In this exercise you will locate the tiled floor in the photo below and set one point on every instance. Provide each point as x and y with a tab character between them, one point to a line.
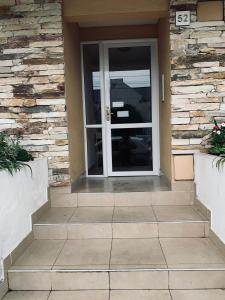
117	248
121	184
100	254
85	253
134	214
121	222
57	215
121	214
191	252
92	215
112	251
41	253
120	295
168	213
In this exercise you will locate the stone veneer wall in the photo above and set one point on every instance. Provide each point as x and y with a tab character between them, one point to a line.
32	97
197	78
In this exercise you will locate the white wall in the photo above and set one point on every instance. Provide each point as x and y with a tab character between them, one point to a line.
210	188
20	196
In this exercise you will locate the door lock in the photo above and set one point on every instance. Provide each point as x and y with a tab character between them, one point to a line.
107	113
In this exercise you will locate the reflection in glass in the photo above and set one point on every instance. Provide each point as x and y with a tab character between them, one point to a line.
92	84
132	149
130	84
94	151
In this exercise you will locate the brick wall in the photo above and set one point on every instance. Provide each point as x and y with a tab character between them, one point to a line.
197	78
32	97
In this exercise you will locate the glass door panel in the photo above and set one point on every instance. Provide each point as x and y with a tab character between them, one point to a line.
94	151
92	86
132	149
130	105
130	84
93	109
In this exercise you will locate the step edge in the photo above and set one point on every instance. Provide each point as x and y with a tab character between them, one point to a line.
114	270
132	222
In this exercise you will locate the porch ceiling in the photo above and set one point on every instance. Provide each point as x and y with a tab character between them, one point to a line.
129	12
128	22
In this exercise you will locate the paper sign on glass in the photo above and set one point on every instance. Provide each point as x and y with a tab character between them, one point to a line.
123	114
118	104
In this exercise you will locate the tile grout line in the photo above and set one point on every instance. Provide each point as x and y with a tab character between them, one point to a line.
168	272
74	211
68	221
110	256
49	293
157	224
170	294
59	254
109	278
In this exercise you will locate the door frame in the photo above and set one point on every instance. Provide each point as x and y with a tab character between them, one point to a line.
105	99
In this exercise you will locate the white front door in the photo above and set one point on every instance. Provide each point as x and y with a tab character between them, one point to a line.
120	84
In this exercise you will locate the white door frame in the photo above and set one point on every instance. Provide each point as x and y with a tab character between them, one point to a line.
105	101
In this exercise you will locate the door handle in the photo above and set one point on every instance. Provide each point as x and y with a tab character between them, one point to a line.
107	113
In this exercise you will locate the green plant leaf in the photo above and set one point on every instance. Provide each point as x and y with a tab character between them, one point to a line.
12	155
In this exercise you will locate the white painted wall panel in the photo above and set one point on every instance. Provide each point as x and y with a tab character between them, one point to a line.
210	188
20	196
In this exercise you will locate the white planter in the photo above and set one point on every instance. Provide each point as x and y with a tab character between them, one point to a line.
210	188
20	196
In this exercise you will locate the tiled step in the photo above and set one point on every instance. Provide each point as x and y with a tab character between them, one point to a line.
121	222
119	264
63	199
120	295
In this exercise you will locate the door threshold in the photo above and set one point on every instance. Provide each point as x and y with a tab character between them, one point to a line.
121	184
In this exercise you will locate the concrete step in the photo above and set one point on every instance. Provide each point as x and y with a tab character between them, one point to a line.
62	199
119	264
121	222
72	280
216	294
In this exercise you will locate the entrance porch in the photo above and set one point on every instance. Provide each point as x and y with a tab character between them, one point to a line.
118	129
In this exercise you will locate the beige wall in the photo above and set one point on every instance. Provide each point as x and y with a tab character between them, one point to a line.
89	10
118	32
165	107
74	100
183	167
210	11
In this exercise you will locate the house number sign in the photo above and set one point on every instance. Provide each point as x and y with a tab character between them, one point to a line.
183	18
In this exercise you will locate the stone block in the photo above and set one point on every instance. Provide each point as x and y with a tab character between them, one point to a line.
206	64
192	89
185	127
180	120
44	44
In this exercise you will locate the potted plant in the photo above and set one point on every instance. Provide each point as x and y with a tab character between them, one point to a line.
13	157
217	139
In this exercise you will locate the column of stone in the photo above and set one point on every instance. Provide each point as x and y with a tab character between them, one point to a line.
197	78
32	97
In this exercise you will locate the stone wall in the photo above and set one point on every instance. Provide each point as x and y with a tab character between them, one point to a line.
32	98
197	78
